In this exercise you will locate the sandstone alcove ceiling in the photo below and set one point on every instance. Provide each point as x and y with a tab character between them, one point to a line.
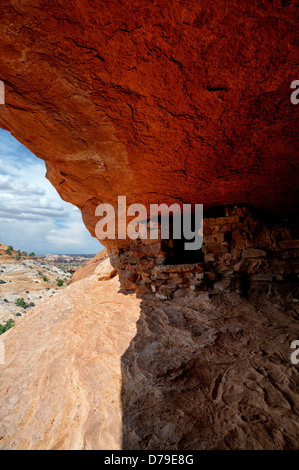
188	102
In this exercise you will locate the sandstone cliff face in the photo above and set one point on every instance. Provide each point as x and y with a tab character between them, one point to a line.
89	268
179	102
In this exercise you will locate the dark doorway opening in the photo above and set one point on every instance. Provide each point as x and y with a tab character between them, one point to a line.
178	253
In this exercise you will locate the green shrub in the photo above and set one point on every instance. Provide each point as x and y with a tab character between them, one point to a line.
45	279
9	324
60	282
21	303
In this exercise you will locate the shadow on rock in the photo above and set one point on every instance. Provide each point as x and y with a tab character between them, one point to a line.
211	373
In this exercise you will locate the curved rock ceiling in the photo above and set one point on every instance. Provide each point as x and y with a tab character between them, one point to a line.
185	101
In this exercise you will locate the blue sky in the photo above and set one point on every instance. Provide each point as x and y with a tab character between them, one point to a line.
32	215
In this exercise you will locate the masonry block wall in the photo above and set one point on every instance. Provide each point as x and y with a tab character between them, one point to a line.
242	253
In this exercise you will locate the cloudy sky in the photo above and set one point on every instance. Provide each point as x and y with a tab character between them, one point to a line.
32	215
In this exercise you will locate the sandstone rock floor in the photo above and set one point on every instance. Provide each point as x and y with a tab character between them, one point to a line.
93	368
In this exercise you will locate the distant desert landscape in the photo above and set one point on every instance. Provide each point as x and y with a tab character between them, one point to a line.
32	279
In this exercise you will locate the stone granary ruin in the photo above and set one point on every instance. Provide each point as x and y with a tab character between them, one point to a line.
182	102
241	253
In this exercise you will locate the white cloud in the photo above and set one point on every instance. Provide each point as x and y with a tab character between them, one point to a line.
10	185
32	215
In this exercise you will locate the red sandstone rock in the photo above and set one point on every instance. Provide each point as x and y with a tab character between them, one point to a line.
187	102
90	267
